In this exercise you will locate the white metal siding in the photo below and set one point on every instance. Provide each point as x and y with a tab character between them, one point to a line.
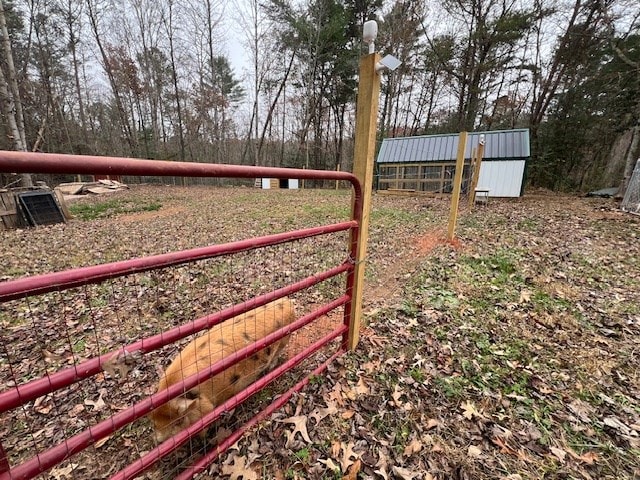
292	183
502	178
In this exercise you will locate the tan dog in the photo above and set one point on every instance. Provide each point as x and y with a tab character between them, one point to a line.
221	341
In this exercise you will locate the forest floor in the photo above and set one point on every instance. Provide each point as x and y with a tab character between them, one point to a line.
511	353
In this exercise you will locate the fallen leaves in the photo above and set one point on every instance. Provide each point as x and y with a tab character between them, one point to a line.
98	404
559	453
470	412
239	469
414	446
320	413
43	404
121	362
474	362
405	473
300	426
474	451
353	470
64	472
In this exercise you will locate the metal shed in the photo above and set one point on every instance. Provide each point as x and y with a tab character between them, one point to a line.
275	183
427	163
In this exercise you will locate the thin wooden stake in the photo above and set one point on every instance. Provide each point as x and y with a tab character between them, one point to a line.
457	185
471	195
476	174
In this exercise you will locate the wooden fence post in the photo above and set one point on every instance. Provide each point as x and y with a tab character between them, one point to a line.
457	185
476	173
472	166
363	159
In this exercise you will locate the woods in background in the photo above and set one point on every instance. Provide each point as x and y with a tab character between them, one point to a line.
155	79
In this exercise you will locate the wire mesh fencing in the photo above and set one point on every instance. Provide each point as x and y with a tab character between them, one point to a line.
153	366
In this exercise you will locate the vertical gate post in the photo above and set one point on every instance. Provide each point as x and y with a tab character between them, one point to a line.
457	185
363	158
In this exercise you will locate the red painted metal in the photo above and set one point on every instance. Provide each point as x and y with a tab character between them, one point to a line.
36	388
70	446
76	277
23	162
4	462
34	162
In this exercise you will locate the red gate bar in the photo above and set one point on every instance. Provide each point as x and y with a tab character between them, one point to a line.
26	162
76	277
21	394
70	446
4	461
35	162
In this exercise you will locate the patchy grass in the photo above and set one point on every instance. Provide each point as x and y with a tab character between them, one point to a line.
511	357
510	354
111	208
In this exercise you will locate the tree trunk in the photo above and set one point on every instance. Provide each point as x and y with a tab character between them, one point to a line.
631	156
124	119
71	19
12	77
10	97
267	122
174	76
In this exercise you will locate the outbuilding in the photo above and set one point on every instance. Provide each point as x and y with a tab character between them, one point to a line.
427	163
276	183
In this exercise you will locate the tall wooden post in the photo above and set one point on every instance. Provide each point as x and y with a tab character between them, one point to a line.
457	185
363	158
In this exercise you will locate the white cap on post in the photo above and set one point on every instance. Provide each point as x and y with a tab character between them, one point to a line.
369	34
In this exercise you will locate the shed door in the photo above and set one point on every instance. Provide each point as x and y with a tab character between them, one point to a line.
502	178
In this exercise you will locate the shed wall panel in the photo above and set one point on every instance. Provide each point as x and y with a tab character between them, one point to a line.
502	178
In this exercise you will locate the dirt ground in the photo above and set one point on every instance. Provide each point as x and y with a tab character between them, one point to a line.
510	352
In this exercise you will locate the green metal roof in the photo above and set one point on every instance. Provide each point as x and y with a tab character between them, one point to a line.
499	145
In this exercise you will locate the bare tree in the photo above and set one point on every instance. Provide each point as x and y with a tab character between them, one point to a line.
168	19
72	12
253	25
11	101
578	33
630	138
92	12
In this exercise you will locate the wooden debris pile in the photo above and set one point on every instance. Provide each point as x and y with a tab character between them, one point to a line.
96	188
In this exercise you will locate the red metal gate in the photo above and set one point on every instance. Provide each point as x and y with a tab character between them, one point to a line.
25	393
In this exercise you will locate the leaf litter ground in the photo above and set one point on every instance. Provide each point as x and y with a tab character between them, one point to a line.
511	353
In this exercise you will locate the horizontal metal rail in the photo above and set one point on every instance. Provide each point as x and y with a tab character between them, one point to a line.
49	282
34	162
29	162
21	394
70	446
